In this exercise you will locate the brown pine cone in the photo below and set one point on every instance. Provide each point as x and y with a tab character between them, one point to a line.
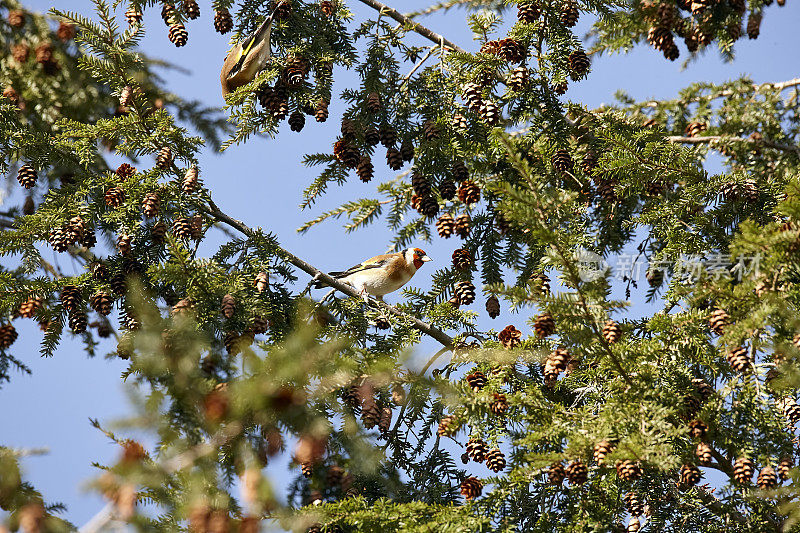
633	502
495	460
394	159
20	52
182	228
27	176
555	364
463	224
499	405
16	18
297	120
690	475
578	64
445	225
544	326
754	25
346	153
510	337
556	473
228	306
528	12
465	291
430	130
71	297
766	478
448	426
569	13
490	113
611	332
476	380
151	204
78	322
30	307
693	129
718	320
577	472
697	428
327	8
628	470
703	453
223	22
561	160
8	334
164	158
66	31
388	135
785	467
321	110
743	470
178	34
601	450
476	449
493	306
191	9
460	171
133	16
469	192
101	302
739	359
471	488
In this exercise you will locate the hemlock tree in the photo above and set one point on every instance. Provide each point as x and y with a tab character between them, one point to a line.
596	421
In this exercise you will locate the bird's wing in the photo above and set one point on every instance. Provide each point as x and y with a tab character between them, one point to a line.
375	262
263	32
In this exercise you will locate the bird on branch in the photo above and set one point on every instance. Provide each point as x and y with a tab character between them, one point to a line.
381	274
246	59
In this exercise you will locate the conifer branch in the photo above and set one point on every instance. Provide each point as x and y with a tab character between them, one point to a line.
722	138
780	86
414	26
313	271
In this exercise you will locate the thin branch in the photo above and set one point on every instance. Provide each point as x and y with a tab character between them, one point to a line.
308	268
720	138
780	86
716	506
416	27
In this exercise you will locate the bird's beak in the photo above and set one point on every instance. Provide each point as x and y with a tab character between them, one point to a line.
425	258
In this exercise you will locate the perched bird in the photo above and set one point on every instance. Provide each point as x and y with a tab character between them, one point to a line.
246	58
382	274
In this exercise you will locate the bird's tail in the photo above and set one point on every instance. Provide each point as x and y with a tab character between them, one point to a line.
319	284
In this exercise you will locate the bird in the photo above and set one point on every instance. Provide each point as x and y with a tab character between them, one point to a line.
246	58
381	274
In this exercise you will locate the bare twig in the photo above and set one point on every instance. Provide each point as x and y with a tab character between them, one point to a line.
721	138
416	27
780	86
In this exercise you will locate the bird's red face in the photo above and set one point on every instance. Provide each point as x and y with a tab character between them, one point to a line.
420	257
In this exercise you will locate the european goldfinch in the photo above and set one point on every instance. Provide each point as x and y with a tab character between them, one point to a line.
246	58
382	274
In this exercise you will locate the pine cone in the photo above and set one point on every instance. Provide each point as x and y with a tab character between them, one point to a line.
71	298
30	307
697	428
718	320
365	170
394	159
473	96
477	449
766	478
447	426
167	13
698	6
327	8
321	111
430	130
447	190
785	467
191	9
388	135
101	302
150	204
611	332
495	460
282	9
78	322
739	359
562	161
489	113
190	181
493	306
465	291
528	12
469	192
406	150
790	409
690	475
445	226
223	22
133	16
228	306
462	260
555	364
499	405
8	334
703	453
370	413
633	525
463	223
578	64
703	389
518	79
693	129
628	470
556	474
569	13
577	473
296	121
27	176
459	121
164	158
743	470
544	326
118	283
476	380
420	184
633	502
16	18
20	52
346	153
371	136
178	34
158	232
471	488
182	228
429	207
601	450
510	337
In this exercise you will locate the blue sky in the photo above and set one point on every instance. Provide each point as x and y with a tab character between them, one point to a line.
261	183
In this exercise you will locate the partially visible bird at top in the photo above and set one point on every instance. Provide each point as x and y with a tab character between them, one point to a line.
381	274
246	58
